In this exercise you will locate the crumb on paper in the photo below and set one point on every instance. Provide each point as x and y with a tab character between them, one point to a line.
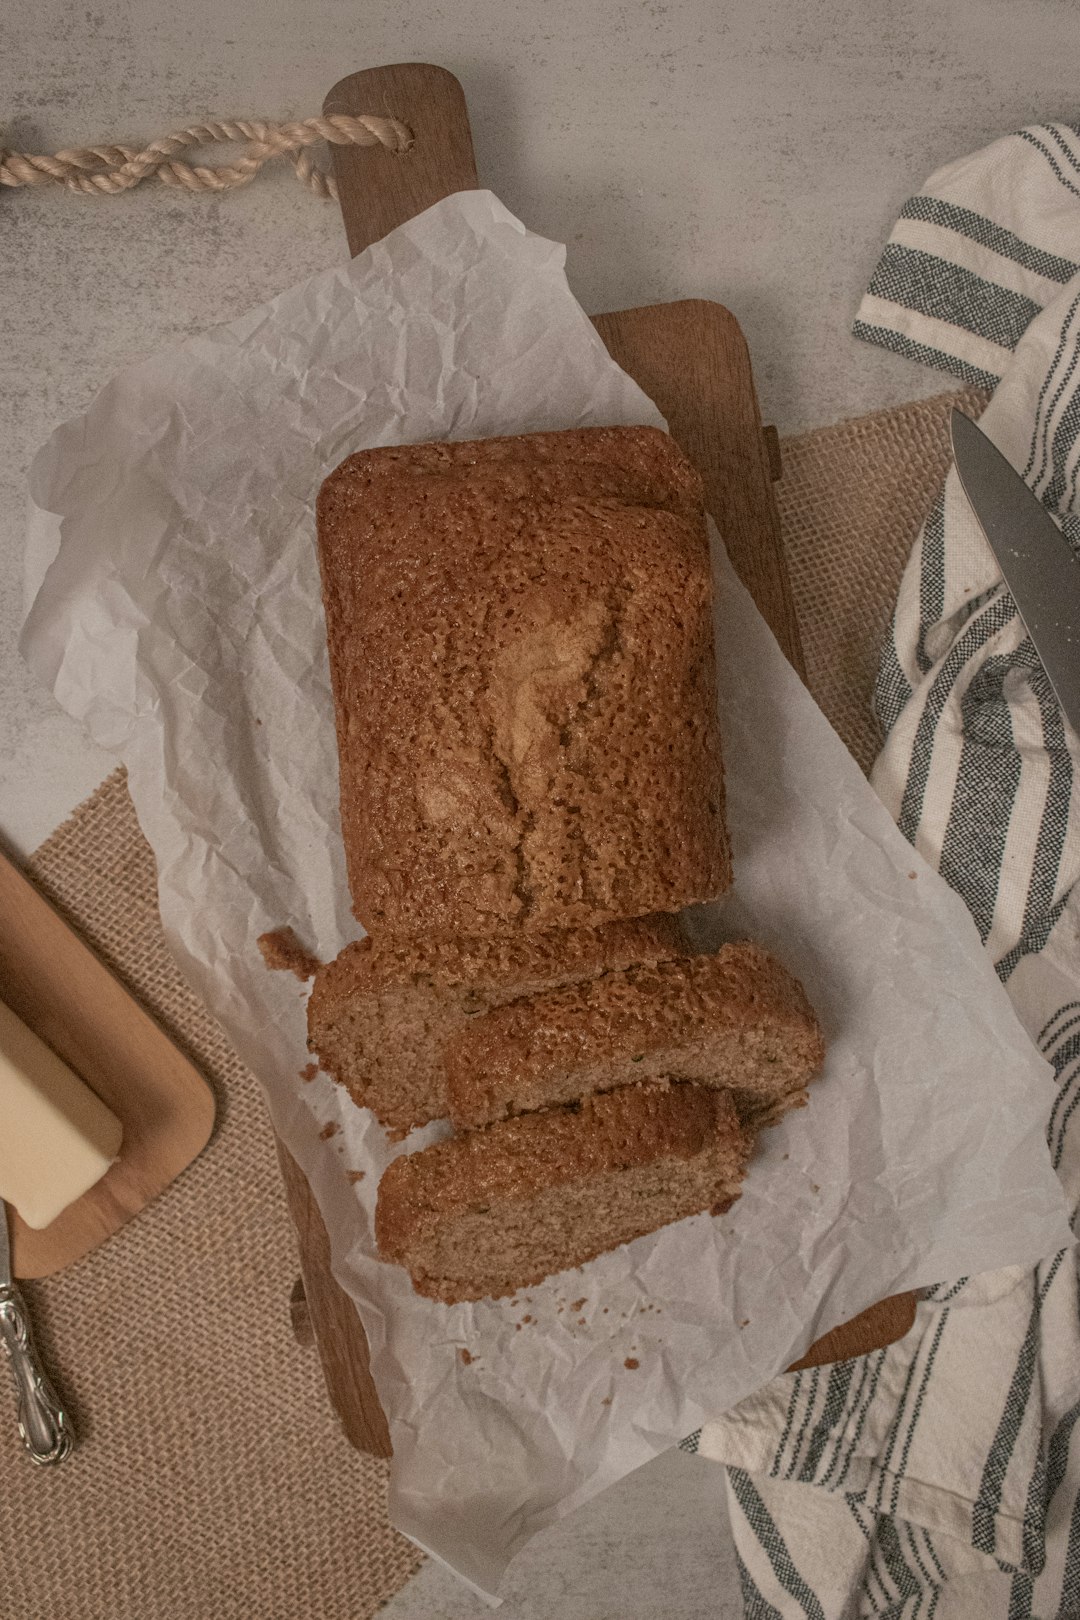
578	1303
330	1129
309	1071
517	1327
606	1401
467	1356
745	1322
814	1188
526	1317
913	874
282	951
356	1175
787	1155
605	1310
631	1363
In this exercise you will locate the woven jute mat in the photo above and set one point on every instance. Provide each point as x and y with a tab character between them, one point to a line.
852	500
211	1478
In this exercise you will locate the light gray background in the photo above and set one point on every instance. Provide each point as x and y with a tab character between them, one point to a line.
756	153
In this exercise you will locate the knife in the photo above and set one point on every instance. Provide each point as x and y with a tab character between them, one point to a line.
1036	560
43	1423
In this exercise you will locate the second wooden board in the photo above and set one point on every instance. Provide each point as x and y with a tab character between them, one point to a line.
66	994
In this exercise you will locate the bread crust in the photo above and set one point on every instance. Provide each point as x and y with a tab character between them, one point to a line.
735	1019
379	1015
521	654
504	1167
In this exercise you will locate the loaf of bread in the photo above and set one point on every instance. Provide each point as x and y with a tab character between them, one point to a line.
521	654
736	1020
380	1015
501	1208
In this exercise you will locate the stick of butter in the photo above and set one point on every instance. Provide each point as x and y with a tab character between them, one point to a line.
56	1137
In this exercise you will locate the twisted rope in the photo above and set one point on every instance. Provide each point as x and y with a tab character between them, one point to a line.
105	170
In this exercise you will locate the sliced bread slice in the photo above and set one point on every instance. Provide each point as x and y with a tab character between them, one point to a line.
736	1020
501	1208
380	1014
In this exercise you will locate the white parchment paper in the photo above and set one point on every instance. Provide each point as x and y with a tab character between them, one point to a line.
181	621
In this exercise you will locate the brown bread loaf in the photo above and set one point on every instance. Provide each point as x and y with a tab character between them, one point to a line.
736	1019
501	1208
521	653
380	1015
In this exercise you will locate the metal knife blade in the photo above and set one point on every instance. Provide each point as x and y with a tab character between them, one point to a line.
1036	560
44	1425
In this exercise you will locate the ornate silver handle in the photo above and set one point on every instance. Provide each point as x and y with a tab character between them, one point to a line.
43	1423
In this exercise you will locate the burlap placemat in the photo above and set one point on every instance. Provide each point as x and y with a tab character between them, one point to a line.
211	1478
852	499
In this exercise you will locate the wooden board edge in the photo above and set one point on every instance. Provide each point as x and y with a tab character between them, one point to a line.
873	1329
739	491
335	1322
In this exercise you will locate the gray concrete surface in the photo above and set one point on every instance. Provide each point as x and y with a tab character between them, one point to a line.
654	1547
753	152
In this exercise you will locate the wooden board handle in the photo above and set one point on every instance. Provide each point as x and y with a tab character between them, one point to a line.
691	359
380	190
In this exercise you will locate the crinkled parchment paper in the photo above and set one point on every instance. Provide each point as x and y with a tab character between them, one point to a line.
181	621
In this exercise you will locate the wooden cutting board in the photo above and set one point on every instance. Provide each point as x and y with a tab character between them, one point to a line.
692	361
68	997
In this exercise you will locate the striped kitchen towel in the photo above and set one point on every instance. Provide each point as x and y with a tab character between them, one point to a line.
941	1477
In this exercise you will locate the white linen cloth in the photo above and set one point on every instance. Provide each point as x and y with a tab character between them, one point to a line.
941	1476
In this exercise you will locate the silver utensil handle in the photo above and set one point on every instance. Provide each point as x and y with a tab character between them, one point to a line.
43	1423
